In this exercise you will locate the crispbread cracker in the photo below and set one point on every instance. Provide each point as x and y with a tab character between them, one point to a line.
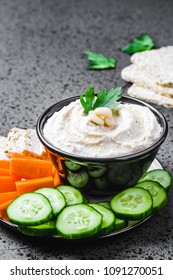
33	146
149	96
135	75
157	63
25	141
15	141
3	142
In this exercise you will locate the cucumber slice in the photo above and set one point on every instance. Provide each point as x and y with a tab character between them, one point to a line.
78	179
120	176
48	228
72	195
134	222
105	204
30	209
119	223
78	221
102	183
132	204
108	218
85	199
97	172
72	165
55	197
159	175
157	192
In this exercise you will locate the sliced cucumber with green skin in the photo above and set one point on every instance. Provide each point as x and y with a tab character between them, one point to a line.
71	194
78	179
97	172
105	204
102	183
159	175
72	165
132	223
157	192
45	229
120	176
85	199
119	223
108	218
132	204
55	197
78	221
30	209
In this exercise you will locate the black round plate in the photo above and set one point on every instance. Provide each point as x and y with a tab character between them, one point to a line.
131	224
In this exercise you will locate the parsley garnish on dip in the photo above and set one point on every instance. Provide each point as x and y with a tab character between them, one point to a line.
96	125
99	107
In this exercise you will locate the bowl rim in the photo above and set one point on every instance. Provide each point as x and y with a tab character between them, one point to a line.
41	120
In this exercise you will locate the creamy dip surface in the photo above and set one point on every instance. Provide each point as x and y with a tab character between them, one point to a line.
70	130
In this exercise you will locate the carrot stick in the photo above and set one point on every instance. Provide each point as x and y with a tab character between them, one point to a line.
43	156
30	168
18	155
53	170
4	163
4	172
56	179
3	207
34	184
7	196
7	184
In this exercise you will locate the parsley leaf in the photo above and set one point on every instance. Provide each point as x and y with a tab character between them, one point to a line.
98	61
142	43
90	101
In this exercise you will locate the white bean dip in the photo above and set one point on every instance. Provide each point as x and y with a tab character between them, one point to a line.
134	128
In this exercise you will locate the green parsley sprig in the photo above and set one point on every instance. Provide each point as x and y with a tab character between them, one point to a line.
90	101
98	61
142	43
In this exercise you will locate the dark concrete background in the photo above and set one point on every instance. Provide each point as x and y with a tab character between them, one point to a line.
41	62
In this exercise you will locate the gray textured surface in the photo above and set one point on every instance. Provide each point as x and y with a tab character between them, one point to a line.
41	62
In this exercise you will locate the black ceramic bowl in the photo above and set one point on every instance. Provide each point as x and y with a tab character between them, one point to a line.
101	176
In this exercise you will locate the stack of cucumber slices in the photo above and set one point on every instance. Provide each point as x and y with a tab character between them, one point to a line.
66	212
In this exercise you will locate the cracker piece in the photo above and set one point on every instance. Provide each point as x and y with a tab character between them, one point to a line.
135	75
158	63
15	141
33	146
149	96
25	141
3	142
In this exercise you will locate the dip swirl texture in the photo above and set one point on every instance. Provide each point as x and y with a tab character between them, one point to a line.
70	130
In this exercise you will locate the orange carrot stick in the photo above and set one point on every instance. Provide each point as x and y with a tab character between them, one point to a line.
4	172
34	184
4	163
56	179
18	155
7	184
3	208
53	170
7	196
30	168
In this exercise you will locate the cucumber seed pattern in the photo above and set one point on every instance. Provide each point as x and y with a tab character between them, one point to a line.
131	201
69	196
79	218
153	191
30	209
